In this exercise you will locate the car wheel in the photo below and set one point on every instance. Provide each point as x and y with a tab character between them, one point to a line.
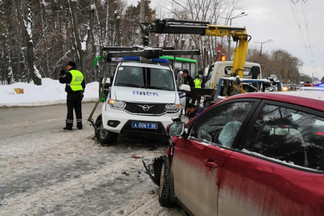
166	195
207	103
104	136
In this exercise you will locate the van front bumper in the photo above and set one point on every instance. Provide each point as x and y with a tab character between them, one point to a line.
120	121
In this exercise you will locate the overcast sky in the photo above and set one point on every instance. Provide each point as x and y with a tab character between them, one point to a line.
292	25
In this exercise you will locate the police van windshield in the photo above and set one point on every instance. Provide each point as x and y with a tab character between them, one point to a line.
153	78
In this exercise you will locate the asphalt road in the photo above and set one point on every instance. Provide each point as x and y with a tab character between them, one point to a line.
45	170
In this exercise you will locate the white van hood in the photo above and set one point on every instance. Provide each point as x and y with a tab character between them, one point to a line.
143	95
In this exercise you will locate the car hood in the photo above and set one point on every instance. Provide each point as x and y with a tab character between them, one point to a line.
143	95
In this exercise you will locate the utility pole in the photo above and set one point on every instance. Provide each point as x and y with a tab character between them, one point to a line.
229	37
269	40
142	20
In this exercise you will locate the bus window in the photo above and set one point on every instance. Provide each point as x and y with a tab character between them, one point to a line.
186	65
178	65
193	69
183	63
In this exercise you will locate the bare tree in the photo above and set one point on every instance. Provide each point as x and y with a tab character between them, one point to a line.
80	49
26	23
41	35
278	62
202	10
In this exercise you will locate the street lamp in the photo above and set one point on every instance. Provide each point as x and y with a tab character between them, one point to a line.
237	16
229	37
269	40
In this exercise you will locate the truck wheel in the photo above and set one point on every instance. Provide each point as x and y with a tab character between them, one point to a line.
104	136
166	195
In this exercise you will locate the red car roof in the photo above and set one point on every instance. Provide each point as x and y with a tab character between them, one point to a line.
313	100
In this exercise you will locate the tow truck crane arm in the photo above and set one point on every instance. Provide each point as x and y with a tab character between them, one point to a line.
146	52
172	26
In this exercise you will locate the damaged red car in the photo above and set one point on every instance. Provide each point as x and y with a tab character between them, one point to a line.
250	154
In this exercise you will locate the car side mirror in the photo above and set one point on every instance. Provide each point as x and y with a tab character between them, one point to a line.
109	81
176	129
105	88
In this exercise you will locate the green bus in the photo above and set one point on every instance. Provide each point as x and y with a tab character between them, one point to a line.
183	63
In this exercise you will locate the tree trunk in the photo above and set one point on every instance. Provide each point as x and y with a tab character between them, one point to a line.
80	51
32	71
90	39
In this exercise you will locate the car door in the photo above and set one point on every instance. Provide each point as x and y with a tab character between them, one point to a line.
280	168
198	160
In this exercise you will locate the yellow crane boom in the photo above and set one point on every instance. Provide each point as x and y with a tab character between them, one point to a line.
239	34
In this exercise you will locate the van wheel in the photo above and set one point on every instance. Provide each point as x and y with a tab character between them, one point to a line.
104	136
166	195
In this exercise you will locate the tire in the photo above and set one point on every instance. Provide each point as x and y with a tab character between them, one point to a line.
207	103
157	169
104	136
166	194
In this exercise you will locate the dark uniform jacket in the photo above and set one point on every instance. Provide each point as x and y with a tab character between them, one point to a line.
189	81
67	79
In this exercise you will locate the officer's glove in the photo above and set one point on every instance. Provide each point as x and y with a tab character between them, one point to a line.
82	95
62	73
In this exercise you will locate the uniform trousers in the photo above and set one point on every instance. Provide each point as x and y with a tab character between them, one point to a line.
73	102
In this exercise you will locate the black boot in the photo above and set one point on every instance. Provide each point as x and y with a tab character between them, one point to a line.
68	126
79	126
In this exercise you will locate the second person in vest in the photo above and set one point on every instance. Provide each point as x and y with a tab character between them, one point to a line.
196	95
74	87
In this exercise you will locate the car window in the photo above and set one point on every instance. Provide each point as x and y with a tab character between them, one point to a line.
291	136
221	125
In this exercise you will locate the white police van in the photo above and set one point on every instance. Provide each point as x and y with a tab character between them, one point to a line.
142	100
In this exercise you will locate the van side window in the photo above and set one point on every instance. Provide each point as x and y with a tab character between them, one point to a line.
291	136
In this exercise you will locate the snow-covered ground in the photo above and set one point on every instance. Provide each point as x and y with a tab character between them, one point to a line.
50	92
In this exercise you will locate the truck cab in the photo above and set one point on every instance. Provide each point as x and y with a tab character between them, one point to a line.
224	69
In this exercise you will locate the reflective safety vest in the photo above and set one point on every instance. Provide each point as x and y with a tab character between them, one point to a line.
77	78
197	83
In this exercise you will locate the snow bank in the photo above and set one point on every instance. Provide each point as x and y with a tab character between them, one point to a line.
50	92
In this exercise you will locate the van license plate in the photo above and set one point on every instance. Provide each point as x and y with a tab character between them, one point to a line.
144	125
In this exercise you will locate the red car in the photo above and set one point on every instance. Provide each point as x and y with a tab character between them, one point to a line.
250	154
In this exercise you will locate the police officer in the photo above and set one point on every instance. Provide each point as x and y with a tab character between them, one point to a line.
188	79
74	87
197	95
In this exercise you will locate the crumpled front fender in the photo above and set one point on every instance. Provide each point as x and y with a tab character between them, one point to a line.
154	169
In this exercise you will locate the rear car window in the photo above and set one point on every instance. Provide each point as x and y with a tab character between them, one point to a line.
290	136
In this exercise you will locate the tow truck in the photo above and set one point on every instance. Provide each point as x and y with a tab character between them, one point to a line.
232	84
239	35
